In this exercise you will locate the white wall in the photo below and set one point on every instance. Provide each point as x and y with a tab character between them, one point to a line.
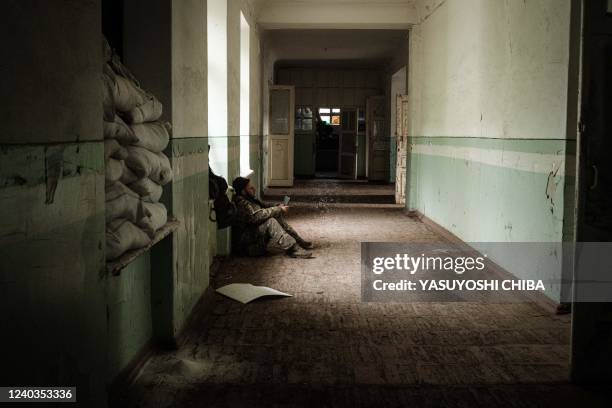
491	68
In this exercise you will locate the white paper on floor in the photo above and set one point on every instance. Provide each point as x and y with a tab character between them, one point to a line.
245	292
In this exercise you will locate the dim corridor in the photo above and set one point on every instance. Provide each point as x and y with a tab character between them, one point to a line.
324	347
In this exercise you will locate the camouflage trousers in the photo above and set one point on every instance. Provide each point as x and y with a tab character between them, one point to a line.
275	235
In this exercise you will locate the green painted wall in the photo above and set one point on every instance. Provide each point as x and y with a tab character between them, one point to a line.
129	315
52	281
493	190
190	241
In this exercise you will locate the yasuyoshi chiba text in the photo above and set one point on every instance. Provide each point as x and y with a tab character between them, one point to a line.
459	285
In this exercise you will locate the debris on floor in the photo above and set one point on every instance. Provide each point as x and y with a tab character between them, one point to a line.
245	292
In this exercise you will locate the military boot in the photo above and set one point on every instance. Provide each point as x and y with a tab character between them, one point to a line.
297	251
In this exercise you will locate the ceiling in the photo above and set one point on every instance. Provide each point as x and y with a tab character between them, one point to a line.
336	14
364	46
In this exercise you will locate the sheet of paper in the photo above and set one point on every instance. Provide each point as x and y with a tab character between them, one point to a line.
245	292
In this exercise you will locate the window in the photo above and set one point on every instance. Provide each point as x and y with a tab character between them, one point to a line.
245	106
330	116
217	86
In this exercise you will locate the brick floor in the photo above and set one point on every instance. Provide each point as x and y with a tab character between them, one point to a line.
325	348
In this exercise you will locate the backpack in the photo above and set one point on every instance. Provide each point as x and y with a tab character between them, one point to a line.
224	209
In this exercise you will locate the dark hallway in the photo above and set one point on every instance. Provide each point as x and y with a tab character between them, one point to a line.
328	203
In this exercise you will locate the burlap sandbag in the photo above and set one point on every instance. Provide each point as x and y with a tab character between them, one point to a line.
149	111
148	189
128	176
127	95
112	149
152	136
156	216
114	169
121	202
115	190
123	236
145	163
117	129
122	70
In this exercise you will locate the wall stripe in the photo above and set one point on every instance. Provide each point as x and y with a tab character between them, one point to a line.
518	160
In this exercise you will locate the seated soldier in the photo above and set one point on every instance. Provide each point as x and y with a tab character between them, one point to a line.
259	228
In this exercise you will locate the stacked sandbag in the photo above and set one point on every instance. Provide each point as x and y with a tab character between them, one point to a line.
136	166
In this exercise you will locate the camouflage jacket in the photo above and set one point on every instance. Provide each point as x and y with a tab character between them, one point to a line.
253	212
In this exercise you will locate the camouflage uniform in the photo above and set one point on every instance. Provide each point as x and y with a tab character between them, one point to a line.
260	228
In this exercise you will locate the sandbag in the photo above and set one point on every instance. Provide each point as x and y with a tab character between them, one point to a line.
125	237
120	69
147	188
128	176
145	163
149	111
156	216
152	136
114	169
116	189
112	149
121	202
127	95
117	129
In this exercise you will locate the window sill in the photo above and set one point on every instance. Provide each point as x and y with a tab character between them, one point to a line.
115	267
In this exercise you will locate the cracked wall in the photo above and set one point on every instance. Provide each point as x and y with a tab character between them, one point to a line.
52	281
488	83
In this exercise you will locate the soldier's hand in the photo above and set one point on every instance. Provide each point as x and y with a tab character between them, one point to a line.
284	208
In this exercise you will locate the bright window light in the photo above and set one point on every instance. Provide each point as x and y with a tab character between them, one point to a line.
217	85
245	106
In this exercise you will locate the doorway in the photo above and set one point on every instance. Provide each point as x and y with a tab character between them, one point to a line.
327	141
591	327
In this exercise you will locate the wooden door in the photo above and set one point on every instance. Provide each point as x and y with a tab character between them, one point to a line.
378	140
347	149
280	137
401	137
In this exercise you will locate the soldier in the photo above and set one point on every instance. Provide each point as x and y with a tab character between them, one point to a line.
259	228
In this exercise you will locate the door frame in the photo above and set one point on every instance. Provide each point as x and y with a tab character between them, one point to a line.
290	136
401	138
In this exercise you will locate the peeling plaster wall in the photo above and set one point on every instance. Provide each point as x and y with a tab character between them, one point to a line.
66	321
170	62
175	70
52	281
488	85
